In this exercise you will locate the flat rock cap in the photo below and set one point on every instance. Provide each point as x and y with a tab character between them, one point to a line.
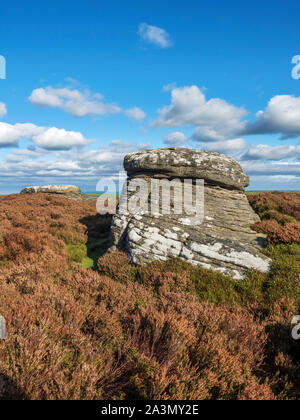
53	189
214	168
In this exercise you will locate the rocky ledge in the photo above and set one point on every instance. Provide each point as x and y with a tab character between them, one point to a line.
68	191
214	168
223	241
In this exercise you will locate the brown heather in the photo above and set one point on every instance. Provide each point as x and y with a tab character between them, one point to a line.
280	214
161	331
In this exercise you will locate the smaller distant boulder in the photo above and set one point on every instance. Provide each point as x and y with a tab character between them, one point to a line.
68	191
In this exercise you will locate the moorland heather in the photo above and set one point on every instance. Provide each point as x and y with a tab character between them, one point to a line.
166	330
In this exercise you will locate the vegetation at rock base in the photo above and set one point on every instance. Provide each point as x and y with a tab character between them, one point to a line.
280	214
162	331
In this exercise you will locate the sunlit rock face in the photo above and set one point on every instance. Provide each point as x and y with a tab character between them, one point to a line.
219	237
68	191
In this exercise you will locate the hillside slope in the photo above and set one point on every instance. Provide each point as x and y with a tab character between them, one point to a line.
162	331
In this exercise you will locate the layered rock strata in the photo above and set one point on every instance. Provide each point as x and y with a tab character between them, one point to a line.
219	238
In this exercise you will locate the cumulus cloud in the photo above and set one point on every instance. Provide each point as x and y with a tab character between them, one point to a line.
28	129
46	98
59	139
154	35
48	138
175	139
281	116
3	110
265	151
214	119
217	120
135	113
9	135
73	101
84	167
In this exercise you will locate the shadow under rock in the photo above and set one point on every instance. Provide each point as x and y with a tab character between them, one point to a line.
97	230
9	390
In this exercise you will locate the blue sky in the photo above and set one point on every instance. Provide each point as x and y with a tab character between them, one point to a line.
89	81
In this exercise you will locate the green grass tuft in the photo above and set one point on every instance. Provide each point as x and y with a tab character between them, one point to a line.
87	254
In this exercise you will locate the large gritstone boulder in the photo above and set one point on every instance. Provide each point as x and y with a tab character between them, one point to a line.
68	191
219	238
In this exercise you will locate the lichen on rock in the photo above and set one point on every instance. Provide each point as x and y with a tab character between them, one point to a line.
68	191
223	241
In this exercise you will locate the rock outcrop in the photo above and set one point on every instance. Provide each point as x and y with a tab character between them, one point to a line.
68	191
223	240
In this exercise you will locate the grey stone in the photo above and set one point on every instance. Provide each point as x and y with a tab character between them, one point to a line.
224	241
214	168
2	328
68	191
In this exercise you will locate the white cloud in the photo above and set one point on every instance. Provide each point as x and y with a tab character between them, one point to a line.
45	98
282	116
217	120
218	126
275	182
48	138
226	146
76	103
264	168
19	155
283	178
175	139
84	167
3	110
135	113
264	151
59	139
154	35
214	119
9	135
28	129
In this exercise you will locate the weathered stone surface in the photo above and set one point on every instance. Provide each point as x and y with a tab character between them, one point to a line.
68	191
223	242
214	168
